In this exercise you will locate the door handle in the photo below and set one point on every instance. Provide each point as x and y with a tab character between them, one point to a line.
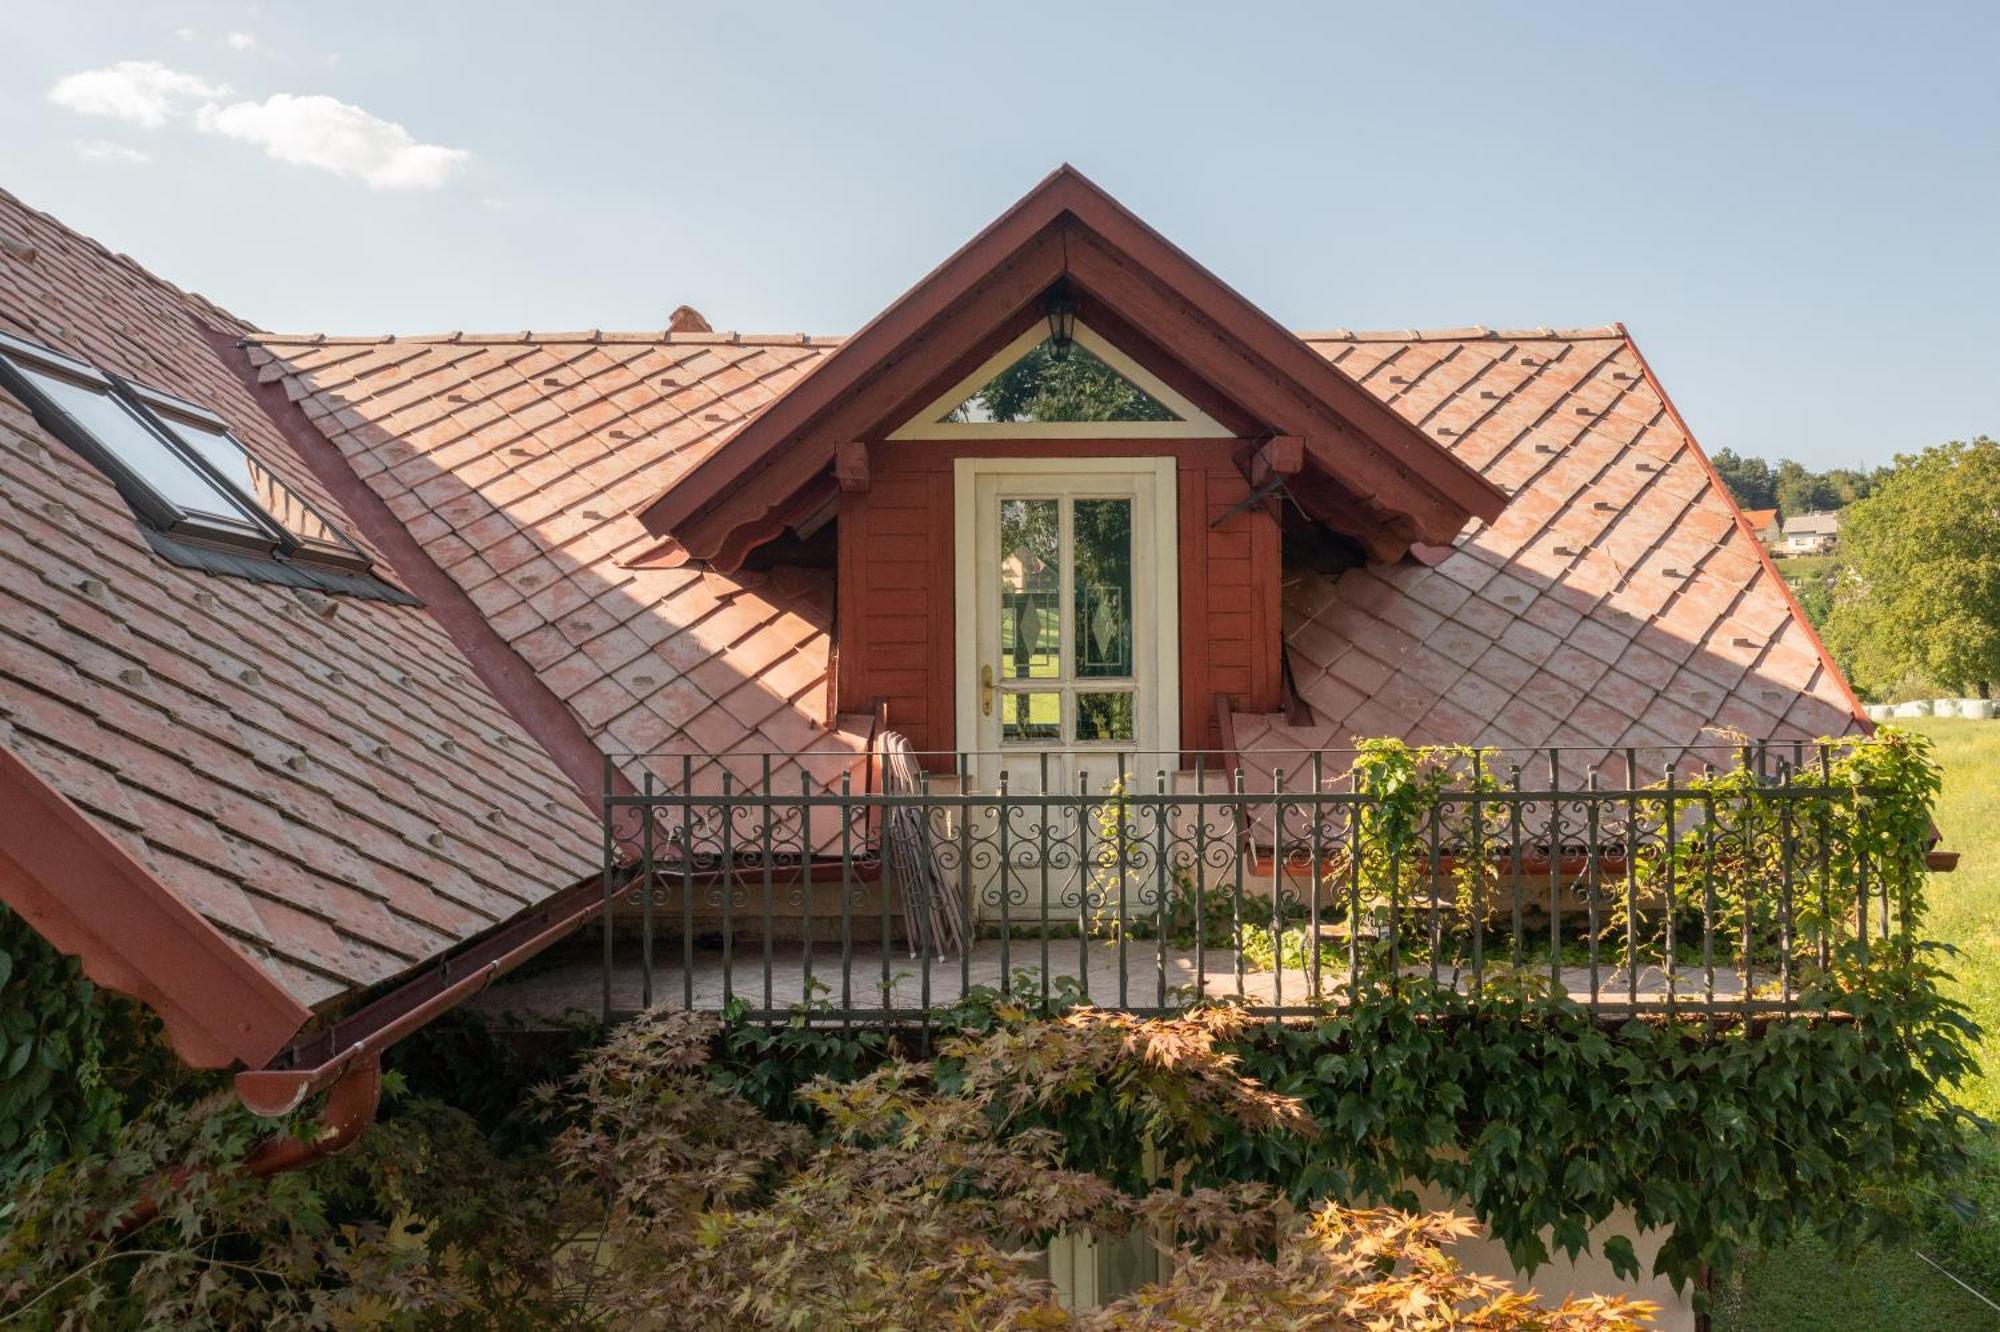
986	691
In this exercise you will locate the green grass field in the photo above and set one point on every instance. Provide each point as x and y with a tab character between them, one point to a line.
1803	1288
1807	566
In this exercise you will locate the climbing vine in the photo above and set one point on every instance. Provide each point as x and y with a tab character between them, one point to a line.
55	1097
1716	1134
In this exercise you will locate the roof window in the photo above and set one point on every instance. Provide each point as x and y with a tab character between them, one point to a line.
183	473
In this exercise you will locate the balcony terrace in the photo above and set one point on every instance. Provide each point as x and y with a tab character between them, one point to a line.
1717	884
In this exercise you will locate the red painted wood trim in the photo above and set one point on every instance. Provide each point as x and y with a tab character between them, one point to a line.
87	896
781	472
509	678
1266	611
869	367
1284	454
1225	726
850	606
1065	194
1335	441
850	467
1287	353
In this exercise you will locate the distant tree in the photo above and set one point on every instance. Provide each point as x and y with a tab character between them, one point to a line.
1750	480
1815	599
1849	485
1801	490
1792	486
1922	593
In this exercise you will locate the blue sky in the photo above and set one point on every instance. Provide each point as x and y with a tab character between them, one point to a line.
1796	208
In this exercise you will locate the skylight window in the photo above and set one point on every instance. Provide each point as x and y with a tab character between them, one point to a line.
205	436
175	463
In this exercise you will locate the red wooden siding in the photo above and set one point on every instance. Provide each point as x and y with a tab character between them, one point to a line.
893	618
1230	631
894	624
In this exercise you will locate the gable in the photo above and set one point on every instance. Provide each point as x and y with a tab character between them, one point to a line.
1375	477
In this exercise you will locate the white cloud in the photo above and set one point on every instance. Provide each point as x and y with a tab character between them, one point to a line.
323	132
306	130
139	92
241	41
104	150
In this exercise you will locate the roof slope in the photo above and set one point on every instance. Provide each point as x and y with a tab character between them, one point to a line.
514	459
1617	600
1620	600
324	780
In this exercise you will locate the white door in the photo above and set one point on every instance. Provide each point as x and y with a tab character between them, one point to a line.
1068	651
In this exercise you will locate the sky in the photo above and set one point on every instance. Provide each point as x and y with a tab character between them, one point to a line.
1795	208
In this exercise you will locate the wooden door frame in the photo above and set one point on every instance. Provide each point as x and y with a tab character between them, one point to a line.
1164	551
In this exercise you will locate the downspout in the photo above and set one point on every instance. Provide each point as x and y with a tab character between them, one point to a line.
350	1108
352	1078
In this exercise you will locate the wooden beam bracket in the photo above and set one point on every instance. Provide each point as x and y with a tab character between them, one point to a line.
850	468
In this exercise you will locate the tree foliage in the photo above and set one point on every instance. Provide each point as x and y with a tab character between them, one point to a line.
1749	480
1921	597
670	1201
73	1058
1790	486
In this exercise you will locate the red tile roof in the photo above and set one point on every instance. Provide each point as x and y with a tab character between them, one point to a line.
325	781
1621	599
515	458
1759	519
1617	601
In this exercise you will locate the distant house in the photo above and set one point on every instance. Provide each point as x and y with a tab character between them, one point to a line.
1765	526
1811	533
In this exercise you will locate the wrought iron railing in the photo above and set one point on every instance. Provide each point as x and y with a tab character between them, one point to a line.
907	885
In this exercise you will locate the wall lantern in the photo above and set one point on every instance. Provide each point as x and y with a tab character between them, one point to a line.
1059	304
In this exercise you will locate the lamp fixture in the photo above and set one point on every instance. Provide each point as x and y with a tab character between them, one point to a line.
1059	305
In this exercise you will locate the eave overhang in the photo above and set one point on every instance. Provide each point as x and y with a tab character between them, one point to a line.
87	895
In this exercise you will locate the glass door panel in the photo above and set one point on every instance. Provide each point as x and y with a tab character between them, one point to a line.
1065	620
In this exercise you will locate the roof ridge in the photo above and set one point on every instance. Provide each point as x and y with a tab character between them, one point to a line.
735	338
1465	333
593	336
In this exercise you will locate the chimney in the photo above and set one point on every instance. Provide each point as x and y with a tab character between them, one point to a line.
687	319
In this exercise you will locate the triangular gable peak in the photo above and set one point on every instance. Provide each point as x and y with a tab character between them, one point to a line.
1344	457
